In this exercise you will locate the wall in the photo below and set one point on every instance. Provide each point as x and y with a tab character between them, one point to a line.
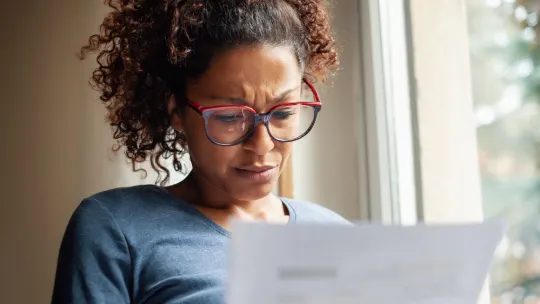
450	175
326	161
56	144
55	140
447	134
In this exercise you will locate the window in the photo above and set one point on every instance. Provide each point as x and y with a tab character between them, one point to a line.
452	103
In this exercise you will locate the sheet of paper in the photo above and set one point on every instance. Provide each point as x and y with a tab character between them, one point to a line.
368	264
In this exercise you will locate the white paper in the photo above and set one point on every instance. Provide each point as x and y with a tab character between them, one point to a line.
367	264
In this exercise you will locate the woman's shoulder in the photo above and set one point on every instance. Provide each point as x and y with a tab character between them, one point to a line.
133	204
129	193
121	200
306	211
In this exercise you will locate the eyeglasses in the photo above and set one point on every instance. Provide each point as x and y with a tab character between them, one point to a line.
230	125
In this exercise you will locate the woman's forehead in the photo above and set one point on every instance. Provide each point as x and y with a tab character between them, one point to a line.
244	69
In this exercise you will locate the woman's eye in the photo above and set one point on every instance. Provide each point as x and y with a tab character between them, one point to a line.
229	118
282	114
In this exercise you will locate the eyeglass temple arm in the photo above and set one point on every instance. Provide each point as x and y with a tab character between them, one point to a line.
312	87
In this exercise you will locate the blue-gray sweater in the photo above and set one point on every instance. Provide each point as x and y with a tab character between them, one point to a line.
143	245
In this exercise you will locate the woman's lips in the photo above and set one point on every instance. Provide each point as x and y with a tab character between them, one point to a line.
258	173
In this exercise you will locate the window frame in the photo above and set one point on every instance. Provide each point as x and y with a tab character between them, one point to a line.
421	108
387	152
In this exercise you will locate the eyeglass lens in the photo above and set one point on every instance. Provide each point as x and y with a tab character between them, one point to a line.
286	122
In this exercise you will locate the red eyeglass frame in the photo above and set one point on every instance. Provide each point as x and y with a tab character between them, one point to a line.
205	112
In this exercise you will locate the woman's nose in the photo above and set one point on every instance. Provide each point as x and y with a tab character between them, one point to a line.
260	141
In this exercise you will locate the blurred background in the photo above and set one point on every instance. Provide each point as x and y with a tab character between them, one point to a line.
505	66
434	116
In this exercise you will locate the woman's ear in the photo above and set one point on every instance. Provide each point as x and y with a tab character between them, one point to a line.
174	114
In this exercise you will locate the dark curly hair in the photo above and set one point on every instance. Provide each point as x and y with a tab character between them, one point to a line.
147	49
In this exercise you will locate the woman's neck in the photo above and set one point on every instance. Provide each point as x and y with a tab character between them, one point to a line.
220	206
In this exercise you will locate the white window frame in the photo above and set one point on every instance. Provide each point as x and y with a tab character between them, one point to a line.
387	154
406	132
414	90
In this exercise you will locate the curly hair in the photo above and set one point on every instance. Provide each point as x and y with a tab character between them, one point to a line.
147	49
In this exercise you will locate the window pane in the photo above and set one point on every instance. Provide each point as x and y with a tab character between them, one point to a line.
505	63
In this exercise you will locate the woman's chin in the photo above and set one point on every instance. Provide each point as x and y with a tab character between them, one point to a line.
254	193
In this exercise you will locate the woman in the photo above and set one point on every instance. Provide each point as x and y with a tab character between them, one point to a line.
226	80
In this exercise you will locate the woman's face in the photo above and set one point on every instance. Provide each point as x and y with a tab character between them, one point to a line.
257	77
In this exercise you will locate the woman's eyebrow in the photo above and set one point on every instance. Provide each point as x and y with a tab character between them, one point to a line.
284	94
233	100
241	101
